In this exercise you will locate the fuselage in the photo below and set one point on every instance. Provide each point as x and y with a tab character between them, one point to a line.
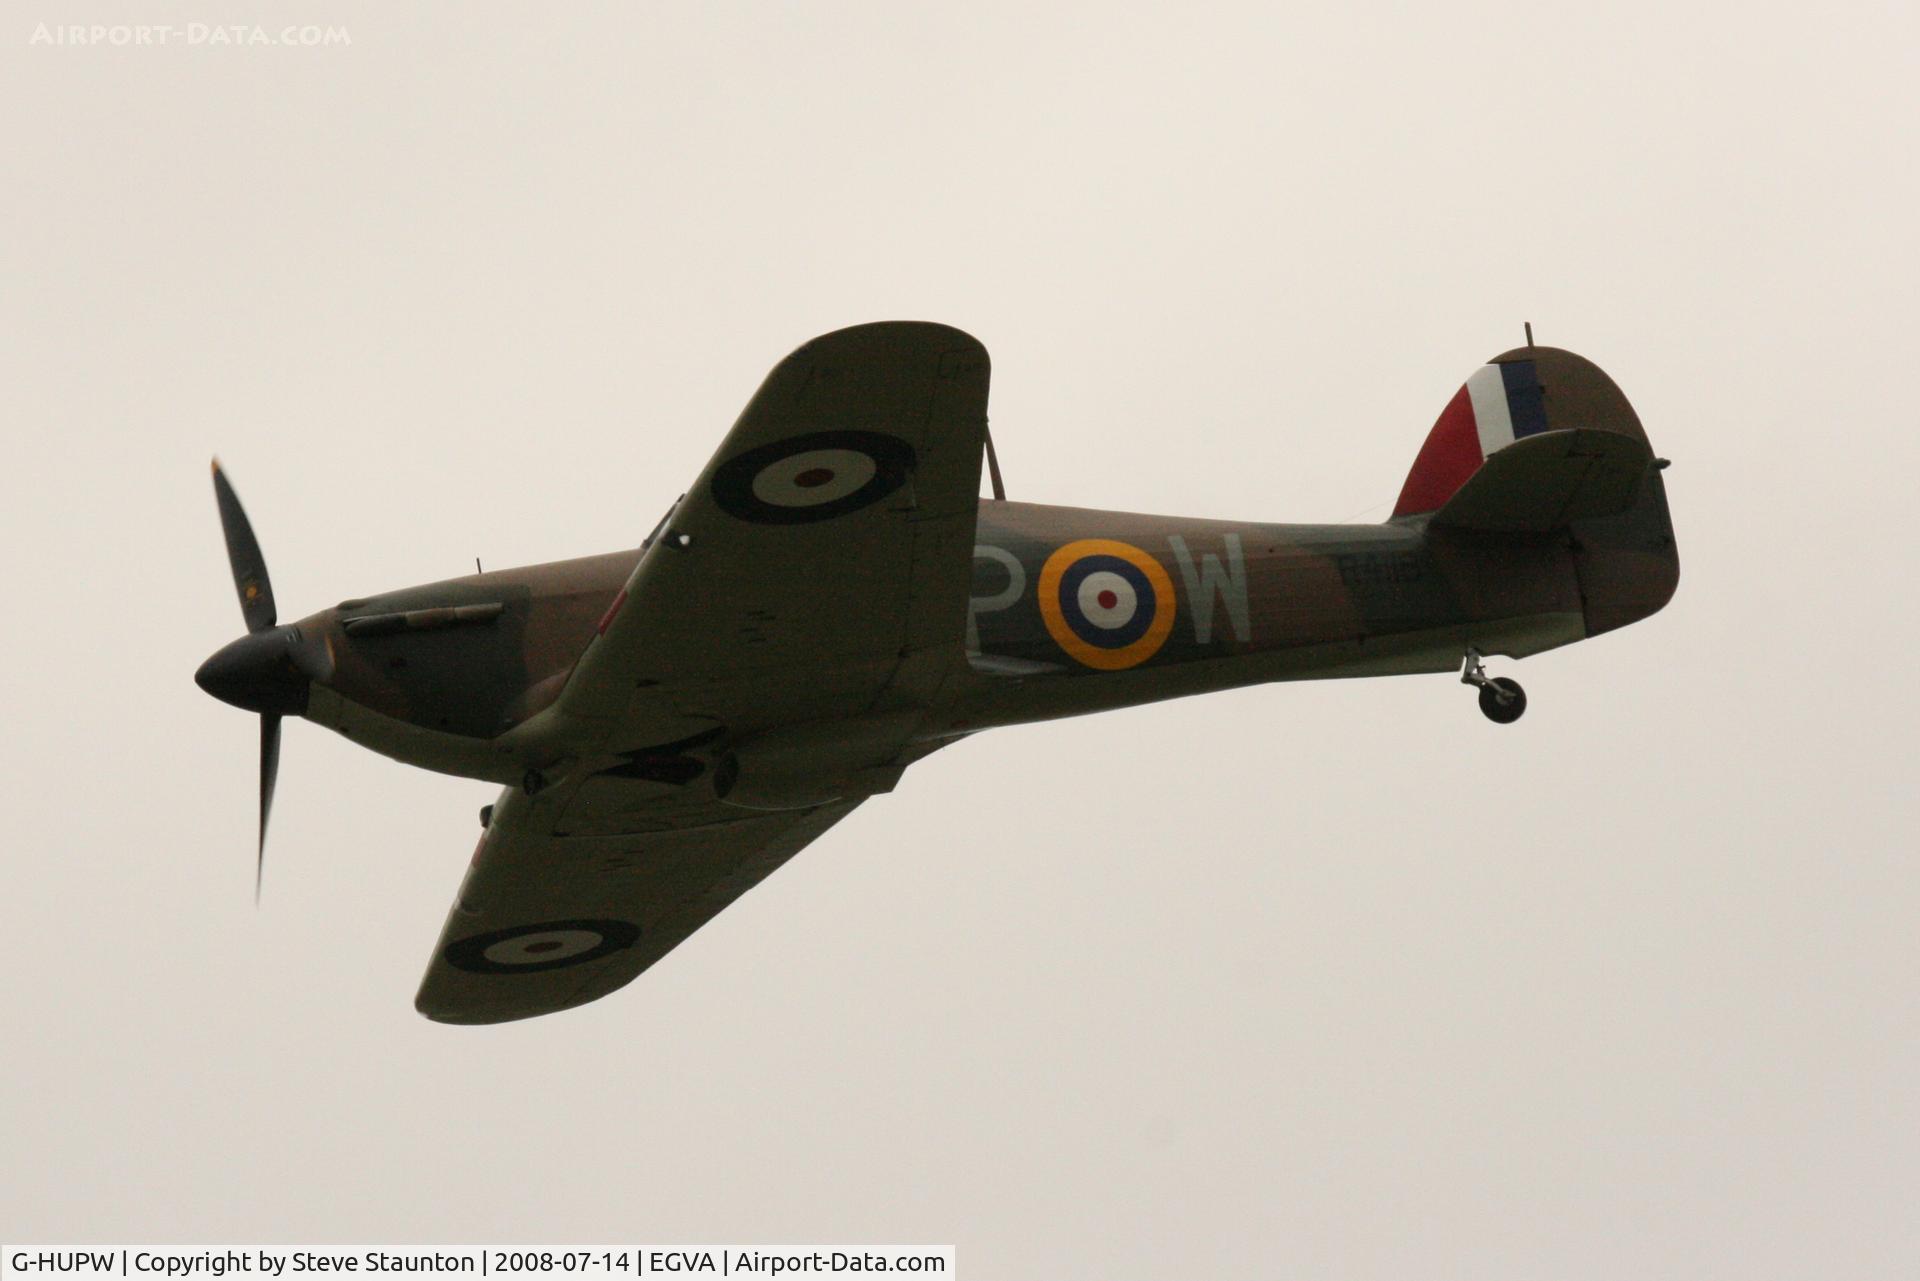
1070	611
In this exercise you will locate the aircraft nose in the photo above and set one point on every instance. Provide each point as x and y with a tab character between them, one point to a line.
260	672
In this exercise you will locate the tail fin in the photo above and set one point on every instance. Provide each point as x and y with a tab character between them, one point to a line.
1539	440
1513	400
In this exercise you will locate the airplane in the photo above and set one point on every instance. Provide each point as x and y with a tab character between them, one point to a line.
832	601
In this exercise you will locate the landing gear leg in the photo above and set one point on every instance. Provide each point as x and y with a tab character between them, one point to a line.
1501	699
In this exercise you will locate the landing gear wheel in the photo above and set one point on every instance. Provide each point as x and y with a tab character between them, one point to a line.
1502	700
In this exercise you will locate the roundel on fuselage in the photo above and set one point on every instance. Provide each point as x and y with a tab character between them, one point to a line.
1108	604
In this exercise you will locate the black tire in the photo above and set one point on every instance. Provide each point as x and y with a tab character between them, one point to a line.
1503	712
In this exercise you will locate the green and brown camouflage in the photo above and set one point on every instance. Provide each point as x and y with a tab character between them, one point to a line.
764	652
452	666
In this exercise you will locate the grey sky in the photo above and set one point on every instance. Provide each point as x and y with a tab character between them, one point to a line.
1315	980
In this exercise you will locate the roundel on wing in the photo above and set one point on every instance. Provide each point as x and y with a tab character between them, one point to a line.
1108	604
549	945
816	476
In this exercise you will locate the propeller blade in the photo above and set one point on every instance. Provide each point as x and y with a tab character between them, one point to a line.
243	555
269	770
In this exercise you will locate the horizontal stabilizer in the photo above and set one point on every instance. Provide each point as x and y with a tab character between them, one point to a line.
1546	481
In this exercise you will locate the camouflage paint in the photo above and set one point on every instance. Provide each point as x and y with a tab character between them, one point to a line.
1231	603
674	722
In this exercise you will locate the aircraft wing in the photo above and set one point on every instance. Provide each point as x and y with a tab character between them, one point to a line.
822	557
816	572
560	907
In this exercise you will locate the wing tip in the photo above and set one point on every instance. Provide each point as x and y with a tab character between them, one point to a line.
460	1016
442	998
471	1016
928	334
